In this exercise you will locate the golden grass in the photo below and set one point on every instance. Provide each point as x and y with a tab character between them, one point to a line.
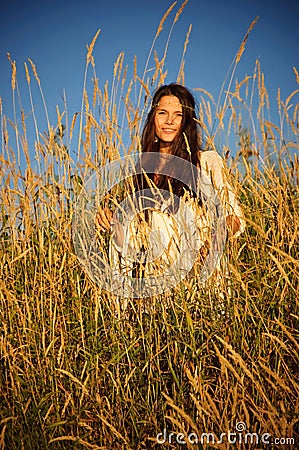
74	375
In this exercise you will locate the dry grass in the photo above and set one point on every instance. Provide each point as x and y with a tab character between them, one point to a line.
75	376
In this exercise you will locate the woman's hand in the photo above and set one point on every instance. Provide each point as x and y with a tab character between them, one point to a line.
233	224
104	219
106	222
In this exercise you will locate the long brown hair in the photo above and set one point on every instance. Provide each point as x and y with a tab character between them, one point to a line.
186	145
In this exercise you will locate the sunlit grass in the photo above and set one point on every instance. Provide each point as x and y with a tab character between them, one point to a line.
76	375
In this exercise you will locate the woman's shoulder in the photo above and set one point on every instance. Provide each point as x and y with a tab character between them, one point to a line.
210	159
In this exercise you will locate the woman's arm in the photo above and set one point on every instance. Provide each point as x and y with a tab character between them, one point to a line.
213	166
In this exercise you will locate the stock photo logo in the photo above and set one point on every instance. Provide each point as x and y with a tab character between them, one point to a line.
240	435
154	236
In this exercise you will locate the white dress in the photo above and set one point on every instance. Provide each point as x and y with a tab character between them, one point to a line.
160	250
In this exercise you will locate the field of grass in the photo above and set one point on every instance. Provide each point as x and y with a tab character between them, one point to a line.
205	360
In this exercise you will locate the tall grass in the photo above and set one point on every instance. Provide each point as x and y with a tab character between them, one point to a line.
74	374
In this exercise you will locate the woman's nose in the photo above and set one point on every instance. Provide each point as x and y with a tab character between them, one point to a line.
169	119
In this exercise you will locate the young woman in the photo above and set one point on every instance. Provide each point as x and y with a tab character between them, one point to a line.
172	163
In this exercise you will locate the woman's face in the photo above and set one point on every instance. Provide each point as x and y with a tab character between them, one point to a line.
168	120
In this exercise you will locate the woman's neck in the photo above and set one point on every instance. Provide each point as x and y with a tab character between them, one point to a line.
165	147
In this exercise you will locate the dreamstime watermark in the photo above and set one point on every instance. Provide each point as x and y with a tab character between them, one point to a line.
97	261
238	436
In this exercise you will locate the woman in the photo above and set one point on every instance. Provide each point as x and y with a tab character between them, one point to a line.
172	163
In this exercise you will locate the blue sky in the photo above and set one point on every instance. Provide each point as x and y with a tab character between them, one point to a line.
54	35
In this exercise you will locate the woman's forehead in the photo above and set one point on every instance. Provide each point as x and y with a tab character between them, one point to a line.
169	101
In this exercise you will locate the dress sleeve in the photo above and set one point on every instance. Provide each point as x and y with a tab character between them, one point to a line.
213	166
